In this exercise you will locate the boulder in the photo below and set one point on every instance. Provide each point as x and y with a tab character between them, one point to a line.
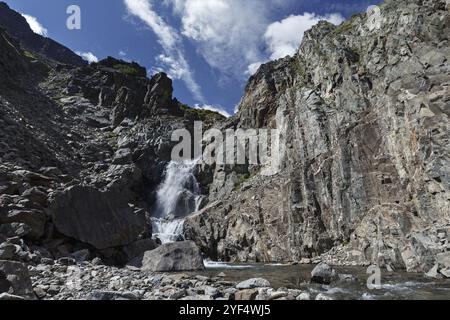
177	256
15	280
254	283
101	219
247	294
304	296
323	274
7	251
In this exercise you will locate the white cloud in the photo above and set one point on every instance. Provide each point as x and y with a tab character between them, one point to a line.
227	33
171	42
217	109
252	68
284	37
231	34
88	56
35	25
122	53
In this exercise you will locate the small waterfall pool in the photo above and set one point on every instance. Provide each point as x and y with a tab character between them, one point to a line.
177	196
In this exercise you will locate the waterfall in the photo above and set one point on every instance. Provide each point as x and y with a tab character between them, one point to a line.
177	196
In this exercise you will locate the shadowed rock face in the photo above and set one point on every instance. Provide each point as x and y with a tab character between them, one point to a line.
103	220
364	115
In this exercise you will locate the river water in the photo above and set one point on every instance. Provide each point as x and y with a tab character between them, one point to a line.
394	285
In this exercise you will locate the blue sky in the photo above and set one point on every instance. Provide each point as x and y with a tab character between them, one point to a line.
208	47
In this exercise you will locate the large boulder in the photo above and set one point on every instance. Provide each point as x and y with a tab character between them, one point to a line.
15	280
323	274
101	219
177	256
253	283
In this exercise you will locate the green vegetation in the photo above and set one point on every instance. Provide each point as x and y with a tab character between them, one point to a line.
112	139
29	55
126	69
202	114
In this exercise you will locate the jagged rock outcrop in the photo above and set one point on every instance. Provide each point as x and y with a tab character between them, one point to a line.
363	109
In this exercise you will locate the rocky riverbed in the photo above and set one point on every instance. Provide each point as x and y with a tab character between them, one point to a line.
61	280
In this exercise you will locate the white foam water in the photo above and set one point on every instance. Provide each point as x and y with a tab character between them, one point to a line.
178	196
222	265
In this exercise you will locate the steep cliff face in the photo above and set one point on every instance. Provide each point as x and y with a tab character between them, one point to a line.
363	109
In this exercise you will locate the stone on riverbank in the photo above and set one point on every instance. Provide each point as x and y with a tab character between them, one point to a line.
177	256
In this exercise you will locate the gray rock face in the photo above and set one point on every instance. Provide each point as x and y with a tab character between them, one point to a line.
363	110
103	220
177	256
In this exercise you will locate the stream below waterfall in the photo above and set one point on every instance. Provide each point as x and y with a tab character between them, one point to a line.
177	196
394	285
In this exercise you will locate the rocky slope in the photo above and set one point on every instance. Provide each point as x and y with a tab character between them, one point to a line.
15	24
363	109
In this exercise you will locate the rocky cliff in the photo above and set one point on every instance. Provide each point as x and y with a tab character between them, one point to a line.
364	113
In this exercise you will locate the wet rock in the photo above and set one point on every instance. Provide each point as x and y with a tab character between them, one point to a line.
177	256
323	274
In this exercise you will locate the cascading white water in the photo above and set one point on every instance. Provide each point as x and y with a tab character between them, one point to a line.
177	196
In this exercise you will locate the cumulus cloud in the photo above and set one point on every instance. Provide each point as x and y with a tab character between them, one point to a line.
283	37
217	109
88	56
236	37
227	33
173	57
35	25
